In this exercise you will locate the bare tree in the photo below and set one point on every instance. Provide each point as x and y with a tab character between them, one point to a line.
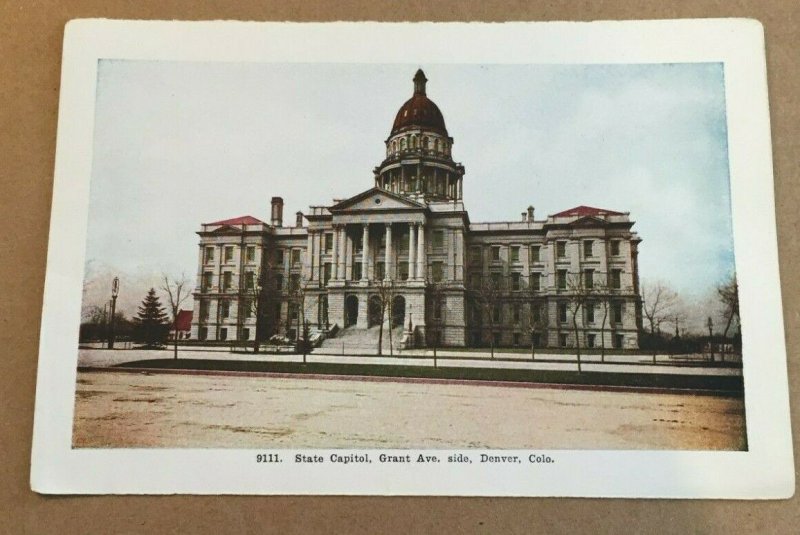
488	293
729	296
298	291
579	293
538	316
603	291
385	296
177	292
435	321
658	300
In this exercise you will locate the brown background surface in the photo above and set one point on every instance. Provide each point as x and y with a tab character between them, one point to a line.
30	56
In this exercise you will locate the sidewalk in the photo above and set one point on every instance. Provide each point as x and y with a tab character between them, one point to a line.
641	364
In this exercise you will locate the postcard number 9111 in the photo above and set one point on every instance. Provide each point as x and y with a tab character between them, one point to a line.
268	458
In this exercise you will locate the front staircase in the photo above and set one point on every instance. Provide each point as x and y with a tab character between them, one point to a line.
355	340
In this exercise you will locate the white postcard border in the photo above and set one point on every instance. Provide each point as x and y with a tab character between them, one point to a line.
765	471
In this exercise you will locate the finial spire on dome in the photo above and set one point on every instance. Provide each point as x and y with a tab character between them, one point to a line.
419	82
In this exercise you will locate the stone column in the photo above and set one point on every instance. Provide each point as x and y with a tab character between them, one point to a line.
421	253
309	256
342	252
387	259
364	253
335	259
412	250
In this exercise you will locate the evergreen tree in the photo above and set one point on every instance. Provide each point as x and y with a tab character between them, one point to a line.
151	321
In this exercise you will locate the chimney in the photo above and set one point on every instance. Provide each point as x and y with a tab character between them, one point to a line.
298	222
530	214
277	212
524	216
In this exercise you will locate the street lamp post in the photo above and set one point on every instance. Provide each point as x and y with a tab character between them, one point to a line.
114	294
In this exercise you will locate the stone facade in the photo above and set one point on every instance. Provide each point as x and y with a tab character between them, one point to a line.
408	242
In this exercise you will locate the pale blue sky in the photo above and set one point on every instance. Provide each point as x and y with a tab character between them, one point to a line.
177	144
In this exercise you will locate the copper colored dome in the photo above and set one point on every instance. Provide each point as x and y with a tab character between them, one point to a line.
419	111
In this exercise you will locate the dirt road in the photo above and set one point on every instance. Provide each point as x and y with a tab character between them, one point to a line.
173	410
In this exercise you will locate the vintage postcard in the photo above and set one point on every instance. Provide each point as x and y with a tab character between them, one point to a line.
435	259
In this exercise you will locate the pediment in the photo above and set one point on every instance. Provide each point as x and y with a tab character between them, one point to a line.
588	221
227	229
376	199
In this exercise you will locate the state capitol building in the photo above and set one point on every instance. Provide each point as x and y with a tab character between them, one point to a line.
405	253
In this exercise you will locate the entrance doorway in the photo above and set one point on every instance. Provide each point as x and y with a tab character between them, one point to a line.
398	311
374	311
350	310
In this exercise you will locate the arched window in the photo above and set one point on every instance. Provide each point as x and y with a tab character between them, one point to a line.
403	144
425	143
436	145
413	142
394	146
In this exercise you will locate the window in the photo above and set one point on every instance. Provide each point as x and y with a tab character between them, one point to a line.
247	309
589	307
497	279
279	257
357	271
250	280
327	270
291	334
616	312
587	248
328	242
437	308
562	312
619	341
536	313
250	253
294	282
515	253
517	313
588	279
561	249
224	309
536	281
562	340
615	247
208	279
536	339
295	256
495	253
590	340
227	281
245	334
228	254
209	255
202	333
403	271
496	313
616	278
223	334
517	339
293	311
380	270
279	282
437	237
203	310
536	252
515	281
475	255
561	279
475	281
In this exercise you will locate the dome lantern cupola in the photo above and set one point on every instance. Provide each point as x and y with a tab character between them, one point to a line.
418	160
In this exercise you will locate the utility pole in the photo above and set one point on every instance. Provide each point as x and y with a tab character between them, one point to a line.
114	294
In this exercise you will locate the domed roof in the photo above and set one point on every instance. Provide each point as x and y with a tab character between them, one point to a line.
419	111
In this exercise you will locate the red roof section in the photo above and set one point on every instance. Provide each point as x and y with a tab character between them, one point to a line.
581	211
184	320
244	220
